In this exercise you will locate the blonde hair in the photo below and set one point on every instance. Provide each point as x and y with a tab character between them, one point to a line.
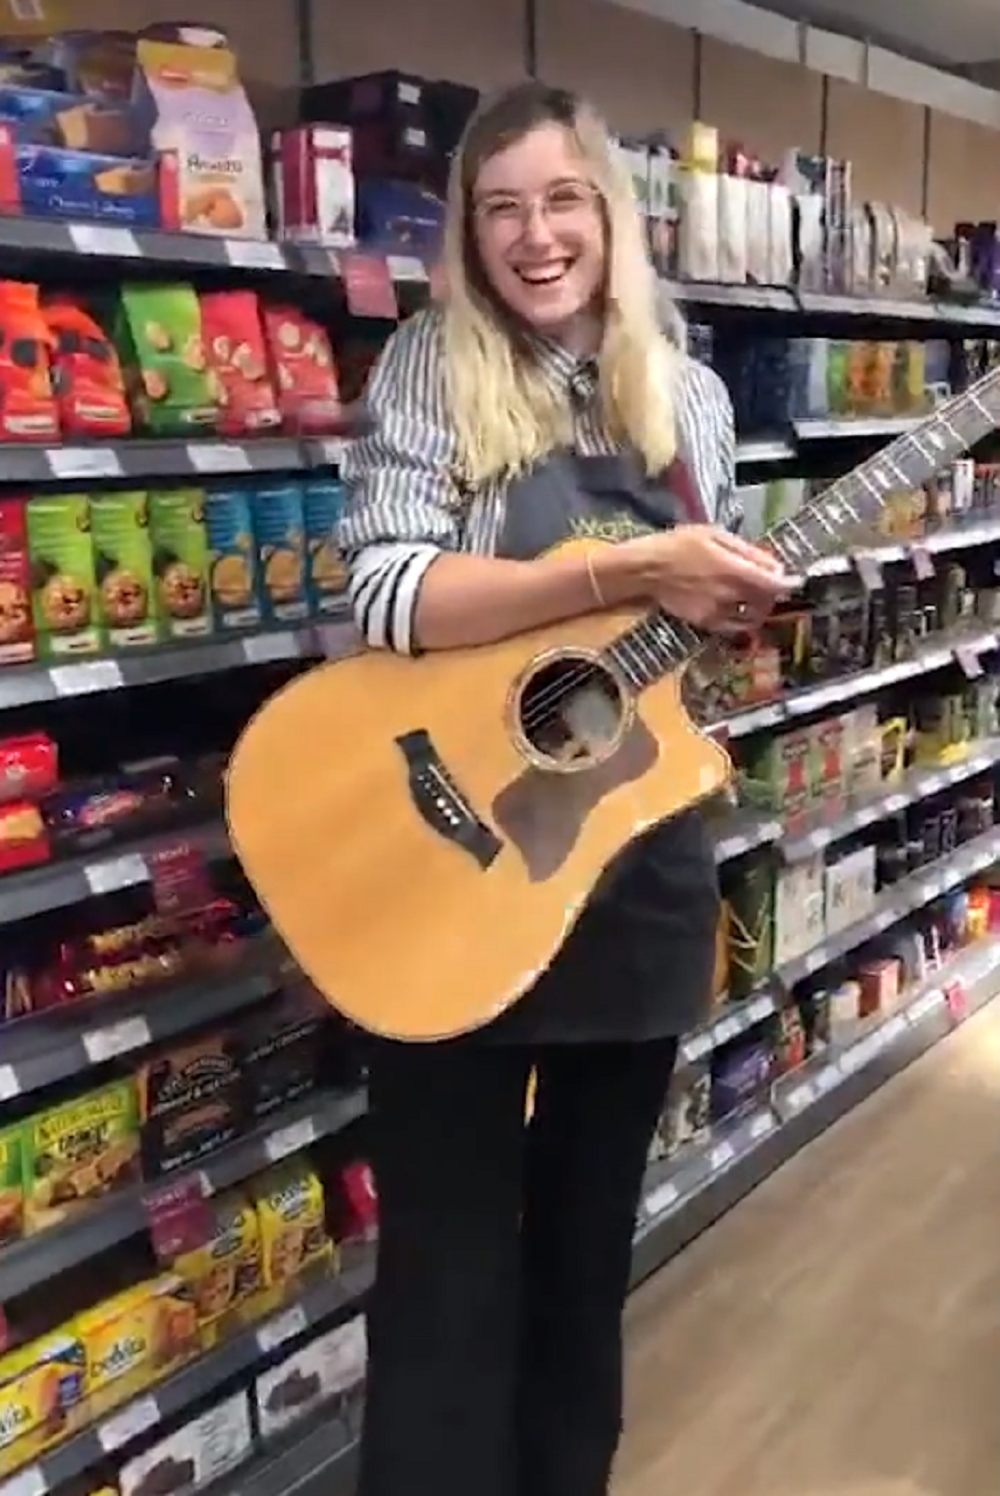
505	412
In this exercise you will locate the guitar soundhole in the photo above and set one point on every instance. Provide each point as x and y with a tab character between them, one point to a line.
571	713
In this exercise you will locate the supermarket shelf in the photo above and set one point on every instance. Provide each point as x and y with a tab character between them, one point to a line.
51	1046
36	1259
745	831
685	1196
897	903
763	449
934	654
848	428
825	304
137	459
968	532
57	885
242	1353
732	1020
321	1462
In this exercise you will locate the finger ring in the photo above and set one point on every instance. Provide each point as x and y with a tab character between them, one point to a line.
741	609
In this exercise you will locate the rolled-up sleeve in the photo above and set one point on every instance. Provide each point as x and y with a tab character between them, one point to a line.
403	502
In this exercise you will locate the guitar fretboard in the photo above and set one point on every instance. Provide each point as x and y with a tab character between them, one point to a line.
826	525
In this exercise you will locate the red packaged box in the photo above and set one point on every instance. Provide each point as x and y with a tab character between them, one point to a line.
17	628
305	375
28	410
29	767
238	363
87	377
313	175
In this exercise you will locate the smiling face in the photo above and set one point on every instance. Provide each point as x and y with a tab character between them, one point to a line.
540	232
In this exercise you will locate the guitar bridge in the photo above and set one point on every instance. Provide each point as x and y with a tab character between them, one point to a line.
440	803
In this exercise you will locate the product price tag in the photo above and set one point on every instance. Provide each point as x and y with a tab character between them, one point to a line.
799	1098
815	959
99	239
895	803
894	1031
86	678
261	649
699	1044
290	1139
117	872
332	450
760	1008
127	1425
721	1155
118	1038
968	658
923	563
662	1199
369	288
68	463
181	884
218	457
827	1078
283	1327
957	998
10	1086
406	268
254	254
923	1007
762	1126
29	1482
726	1029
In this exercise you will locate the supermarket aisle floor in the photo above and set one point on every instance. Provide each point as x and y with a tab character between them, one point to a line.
835	1335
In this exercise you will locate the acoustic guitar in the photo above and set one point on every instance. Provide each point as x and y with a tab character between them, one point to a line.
424	832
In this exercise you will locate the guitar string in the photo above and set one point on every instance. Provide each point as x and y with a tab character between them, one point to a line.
546	708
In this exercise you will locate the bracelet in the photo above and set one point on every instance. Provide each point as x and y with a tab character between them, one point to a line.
595	585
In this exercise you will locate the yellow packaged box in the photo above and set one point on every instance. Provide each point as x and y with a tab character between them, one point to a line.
78	1152
136	1338
41	1396
293	1234
11	1185
227	1270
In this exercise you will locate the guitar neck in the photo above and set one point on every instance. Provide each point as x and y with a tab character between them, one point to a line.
829	523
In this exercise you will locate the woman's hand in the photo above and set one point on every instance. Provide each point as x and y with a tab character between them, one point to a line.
705	576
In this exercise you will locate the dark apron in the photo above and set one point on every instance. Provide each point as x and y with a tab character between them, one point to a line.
639	963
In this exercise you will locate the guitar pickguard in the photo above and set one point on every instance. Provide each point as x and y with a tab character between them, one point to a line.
440	803
542	812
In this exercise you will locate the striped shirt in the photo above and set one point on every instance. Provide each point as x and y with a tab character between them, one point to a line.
406	505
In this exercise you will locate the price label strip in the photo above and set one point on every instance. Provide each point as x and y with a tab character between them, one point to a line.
68	463
86	678
10	1086
261	649
98	239
254	254
290	1139
406	268
127	1425
721	1156
117	1038
662	1199
118	872
282	1328
29	1482
218	457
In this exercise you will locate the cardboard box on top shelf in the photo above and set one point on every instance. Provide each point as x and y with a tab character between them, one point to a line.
34	17
191	105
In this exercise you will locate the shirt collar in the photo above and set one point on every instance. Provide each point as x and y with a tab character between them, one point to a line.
580	376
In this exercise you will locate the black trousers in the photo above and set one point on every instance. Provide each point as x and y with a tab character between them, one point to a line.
504	1259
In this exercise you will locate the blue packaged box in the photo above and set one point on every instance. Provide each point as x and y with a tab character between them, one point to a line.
326	574
279	526
42	181
233	574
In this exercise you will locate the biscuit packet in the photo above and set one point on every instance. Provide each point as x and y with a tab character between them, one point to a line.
127	597
159	337
292	1215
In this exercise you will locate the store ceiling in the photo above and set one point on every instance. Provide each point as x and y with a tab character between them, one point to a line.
964	32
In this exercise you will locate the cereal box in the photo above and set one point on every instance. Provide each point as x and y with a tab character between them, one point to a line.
226	1270
123	564
158	334
293	1234
326	573
233	573
17	627
180	561
279	527
136	1338
11	1185
63	581
78	1152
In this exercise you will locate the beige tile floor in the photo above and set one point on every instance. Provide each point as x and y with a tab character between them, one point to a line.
838	1334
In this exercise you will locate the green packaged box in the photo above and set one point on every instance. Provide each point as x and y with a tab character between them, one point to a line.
159	338
326	573
75	1153
233	570
279	527
11	1185
123	559
63	580
180	561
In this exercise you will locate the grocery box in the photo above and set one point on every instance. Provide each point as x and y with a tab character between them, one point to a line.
326	572
181	561
158	334
17	627
279	527
233	568
123	562
77	1152
63	579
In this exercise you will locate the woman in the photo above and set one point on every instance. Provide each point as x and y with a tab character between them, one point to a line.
541	401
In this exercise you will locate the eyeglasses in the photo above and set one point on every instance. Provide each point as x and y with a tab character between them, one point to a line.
558	203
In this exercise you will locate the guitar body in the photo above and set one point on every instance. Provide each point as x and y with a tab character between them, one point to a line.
420	854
